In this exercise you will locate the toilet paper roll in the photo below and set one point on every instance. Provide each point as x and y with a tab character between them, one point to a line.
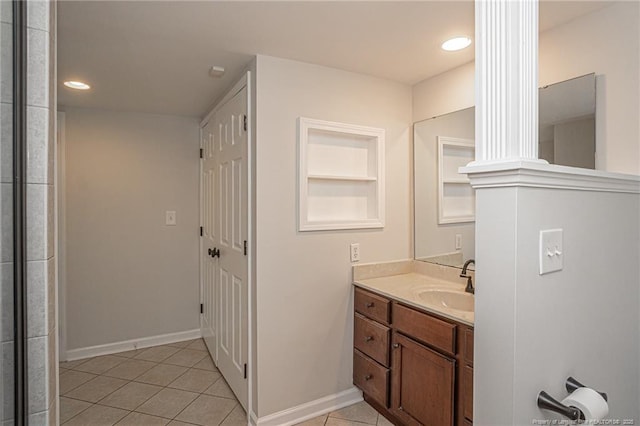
590	402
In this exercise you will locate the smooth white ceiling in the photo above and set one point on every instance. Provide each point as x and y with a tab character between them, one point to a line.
154	56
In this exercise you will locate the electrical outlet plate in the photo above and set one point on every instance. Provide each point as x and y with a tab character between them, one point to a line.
355	252
458	241
551	251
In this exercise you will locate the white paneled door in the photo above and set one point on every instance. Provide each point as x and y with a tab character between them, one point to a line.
224	269
208	263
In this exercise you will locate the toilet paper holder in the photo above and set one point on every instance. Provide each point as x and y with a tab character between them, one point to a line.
547	402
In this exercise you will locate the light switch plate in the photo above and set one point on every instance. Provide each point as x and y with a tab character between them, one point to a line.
551	251
170	218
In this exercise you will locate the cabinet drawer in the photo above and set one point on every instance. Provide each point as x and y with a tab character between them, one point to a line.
468	345
371	378
372	339
423	327
371	305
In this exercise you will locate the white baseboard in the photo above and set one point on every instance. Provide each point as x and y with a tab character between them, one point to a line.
309	410
129	345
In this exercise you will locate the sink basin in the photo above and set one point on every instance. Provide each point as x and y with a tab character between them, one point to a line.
456	300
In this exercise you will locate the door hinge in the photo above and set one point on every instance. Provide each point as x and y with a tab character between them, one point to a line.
201	231
202	308
245	123
245	247
201	153
245	371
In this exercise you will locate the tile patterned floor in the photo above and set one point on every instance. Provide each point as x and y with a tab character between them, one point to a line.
360	414
175	384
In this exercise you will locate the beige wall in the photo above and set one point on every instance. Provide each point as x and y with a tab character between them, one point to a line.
304	295
128	275
605	42
447	92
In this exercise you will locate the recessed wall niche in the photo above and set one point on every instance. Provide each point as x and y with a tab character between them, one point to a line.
341	176
456	198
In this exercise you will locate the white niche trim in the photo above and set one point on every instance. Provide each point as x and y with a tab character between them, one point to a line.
341	176
456	197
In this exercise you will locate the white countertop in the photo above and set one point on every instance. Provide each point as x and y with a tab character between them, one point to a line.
406	288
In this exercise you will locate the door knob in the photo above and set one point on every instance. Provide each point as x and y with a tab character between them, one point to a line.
215	252
209	251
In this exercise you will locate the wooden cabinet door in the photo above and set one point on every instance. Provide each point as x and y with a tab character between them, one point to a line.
422	384
467	394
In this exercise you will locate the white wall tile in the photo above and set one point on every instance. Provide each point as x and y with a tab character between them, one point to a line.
6	142
7	380
51	294
38	374
39	221
6	63
6	222
50	220
38	14
37	68
6	301
39	419
6	12
40	152
37	295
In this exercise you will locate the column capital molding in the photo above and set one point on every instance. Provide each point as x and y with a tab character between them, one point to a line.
540	174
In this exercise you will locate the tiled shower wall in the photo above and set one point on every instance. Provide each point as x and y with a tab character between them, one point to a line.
40	205
42	327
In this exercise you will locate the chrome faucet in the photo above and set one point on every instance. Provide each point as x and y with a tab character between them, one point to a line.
469	288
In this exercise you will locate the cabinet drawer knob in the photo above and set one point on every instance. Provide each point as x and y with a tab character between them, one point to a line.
368	377
370	305
368	338
396	345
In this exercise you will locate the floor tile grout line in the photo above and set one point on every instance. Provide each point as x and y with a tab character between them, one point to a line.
115	377
78	413
225	417
76	387
127	381
131	381
92	402
186	406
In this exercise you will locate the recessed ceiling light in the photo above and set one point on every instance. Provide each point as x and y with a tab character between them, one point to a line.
456	43
78	85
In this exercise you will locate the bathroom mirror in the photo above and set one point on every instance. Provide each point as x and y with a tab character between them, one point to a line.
567	122
567	113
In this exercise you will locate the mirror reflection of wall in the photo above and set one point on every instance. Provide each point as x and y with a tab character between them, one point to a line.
567	112
434	242
567	122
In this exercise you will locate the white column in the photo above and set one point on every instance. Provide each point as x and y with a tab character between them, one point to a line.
506	81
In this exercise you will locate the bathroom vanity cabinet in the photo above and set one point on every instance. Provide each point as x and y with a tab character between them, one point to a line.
413	366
